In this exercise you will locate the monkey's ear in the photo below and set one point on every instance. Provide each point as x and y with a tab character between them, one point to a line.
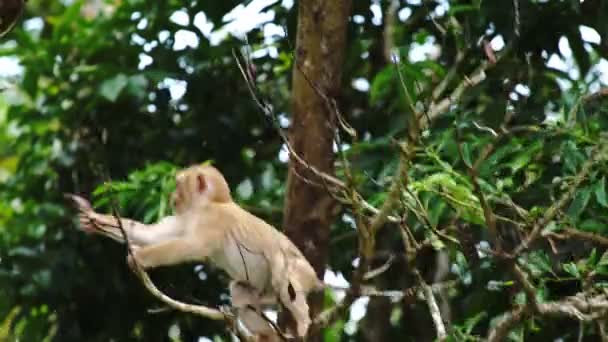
202	182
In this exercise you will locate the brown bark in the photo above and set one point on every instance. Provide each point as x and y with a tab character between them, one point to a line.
319	56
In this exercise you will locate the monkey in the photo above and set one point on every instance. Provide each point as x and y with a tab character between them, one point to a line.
266	268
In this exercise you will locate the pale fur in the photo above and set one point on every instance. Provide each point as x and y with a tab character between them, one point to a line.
209	226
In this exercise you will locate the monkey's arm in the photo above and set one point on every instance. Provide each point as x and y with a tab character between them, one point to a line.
169	252
139	234
176	251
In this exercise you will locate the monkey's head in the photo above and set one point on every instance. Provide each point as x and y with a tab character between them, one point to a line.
197	185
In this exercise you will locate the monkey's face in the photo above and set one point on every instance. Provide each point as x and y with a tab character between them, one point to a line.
199	185
181	198
190	188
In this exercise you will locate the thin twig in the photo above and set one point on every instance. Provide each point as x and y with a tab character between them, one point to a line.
570	233
504	325
431	302
598	154
488	213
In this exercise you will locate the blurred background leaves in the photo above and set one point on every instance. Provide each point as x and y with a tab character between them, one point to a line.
128	91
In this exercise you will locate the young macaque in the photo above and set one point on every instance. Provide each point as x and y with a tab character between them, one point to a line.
209	226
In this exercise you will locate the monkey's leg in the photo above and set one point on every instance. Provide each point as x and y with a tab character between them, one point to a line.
257	325
245	300
295	301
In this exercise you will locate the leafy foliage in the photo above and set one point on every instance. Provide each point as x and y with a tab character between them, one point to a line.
106	103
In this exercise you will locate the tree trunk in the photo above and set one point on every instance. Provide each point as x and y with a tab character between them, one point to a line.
319	56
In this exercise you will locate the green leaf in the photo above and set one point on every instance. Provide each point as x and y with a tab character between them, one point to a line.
459	196
381	85
603	260
334	332
138	84
471	322
579	203
113	87
524	158
435	210
455	9
42	278
600	192
572	269
572	156
245	189
436	242
396	315
592	259
550	227
539	264
466	154
23	252
592	225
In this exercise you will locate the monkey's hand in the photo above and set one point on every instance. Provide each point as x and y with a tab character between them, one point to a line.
86	215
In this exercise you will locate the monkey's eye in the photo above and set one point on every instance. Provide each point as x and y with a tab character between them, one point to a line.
175	199
201	182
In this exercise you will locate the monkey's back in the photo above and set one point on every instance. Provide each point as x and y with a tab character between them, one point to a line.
258	237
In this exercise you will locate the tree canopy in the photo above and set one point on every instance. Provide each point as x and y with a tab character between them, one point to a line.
469	162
